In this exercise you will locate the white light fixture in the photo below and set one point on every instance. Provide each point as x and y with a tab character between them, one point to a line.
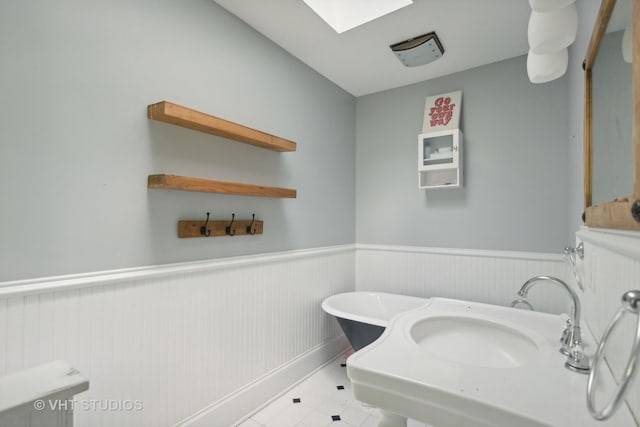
626	43
554	30
419	50
344	15
548	5
542	68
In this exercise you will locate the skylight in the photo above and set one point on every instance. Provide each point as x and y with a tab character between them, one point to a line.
343	15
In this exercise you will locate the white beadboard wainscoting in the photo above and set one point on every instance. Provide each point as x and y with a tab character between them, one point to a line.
612	267
491	277
193	343
206	343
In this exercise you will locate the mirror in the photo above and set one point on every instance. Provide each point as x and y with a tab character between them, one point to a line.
612	173
611	161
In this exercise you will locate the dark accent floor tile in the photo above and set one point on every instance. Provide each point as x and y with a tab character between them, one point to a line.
340	387
335	417
296	400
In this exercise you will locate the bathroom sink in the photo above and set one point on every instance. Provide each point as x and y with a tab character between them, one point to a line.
493	345
466	364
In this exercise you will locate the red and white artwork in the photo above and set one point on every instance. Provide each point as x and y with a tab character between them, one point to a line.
442	112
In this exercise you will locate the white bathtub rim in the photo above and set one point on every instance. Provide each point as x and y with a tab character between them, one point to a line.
328	307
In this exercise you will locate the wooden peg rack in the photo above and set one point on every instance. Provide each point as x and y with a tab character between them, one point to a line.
218	228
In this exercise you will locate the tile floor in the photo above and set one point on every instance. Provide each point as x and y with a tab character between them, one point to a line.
324	399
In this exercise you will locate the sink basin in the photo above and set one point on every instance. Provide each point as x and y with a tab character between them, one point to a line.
491	344
453	363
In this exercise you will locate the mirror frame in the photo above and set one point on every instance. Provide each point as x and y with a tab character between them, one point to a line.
622	212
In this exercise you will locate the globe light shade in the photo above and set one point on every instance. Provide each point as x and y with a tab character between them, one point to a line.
544	67
548	5
554	30
627	37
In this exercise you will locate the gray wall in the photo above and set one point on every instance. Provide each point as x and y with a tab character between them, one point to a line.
76	149
515	164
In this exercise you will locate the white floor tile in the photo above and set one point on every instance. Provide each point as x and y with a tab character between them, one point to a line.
316	399
331	407
272	410
317	419
295	413
354	415
281	423
249	423
371	421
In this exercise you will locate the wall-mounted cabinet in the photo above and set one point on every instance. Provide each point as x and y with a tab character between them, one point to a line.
440	159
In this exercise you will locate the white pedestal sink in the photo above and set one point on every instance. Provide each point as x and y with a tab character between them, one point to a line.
458	363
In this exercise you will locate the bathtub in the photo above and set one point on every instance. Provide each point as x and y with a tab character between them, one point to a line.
363	316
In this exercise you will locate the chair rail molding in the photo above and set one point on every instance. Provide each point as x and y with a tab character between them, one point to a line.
110	277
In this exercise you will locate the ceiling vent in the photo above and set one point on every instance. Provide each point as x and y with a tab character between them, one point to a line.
419	50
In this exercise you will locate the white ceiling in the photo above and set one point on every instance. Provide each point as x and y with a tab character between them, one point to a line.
473	33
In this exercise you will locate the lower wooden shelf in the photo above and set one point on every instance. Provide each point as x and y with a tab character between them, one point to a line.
186	183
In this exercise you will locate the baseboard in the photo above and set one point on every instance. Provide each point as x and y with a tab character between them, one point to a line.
235	407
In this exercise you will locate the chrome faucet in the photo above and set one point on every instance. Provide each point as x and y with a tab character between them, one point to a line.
571	340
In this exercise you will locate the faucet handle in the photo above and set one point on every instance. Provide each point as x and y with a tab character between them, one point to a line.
577	361
566	338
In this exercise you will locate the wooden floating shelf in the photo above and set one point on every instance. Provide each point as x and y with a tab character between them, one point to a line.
219	228
186	183
186	117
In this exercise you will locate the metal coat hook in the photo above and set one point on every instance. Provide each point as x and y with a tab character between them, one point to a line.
203	229
249	229
231	231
